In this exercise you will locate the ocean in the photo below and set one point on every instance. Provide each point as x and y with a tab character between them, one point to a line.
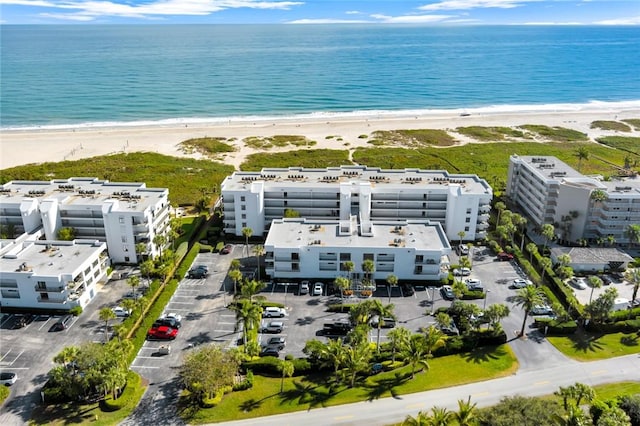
92	75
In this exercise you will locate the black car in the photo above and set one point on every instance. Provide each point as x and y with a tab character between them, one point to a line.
62	324
337	328
270	351
197	273
169	322
407	290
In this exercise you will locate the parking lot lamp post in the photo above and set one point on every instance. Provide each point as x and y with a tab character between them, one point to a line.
433	299
486	294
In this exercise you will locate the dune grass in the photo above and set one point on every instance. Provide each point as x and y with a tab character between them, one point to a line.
298	158
555	134
623	143
207	146
585	346
634	122
316	391
610	125
412	138
492	134
277	141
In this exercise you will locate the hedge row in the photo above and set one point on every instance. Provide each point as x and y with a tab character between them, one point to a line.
555	327
628	326
270	366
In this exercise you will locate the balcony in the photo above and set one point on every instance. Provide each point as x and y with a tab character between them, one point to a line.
49	289
51	300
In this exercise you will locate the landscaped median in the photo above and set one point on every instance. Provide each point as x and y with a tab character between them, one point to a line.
311	391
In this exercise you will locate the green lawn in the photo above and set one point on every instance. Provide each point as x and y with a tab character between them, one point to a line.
611	390
593	346
303	393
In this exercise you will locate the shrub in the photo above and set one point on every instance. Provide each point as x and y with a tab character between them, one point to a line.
301	366
473	294
75	311
247	383
343	308
219	246
205	248
181	252
625	314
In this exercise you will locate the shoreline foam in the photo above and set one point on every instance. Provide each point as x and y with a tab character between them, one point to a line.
19	147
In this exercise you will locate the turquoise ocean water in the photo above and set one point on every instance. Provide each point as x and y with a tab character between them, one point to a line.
68	76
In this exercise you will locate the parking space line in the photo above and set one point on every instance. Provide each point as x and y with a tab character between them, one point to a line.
5	321
14	359
44	323
182	303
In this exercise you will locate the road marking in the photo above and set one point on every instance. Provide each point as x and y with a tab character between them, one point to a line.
44	323
544	382
223	322
413	406
181	303
598	373
343	418
16	368
480	394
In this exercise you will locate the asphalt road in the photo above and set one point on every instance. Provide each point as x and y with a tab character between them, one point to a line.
528	383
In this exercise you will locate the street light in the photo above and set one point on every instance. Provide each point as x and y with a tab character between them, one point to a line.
486	295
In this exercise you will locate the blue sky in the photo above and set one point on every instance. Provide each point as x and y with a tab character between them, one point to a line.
433	12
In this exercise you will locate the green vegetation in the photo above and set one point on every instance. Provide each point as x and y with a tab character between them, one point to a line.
635	122
312	391
555	134
412	138
586	346
302	158
280	141
186	178
610	125
623	143
4	393
96	413
207	146
611	390
492	134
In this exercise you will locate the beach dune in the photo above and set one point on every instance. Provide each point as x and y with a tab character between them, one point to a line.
19	147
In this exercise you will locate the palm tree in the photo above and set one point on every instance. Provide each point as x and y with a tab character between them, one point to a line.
494	313
399	337
576	392
527	298
67	355
549	233
594	282
259	252
349	267
633	234
146	269
235	264
421	419
633	276
415	352
236	276
598	195
466	414
583	154
159	241
500	206
368	267
106	315
520	222
433	339
251	288
532	248
545	263
574	416
287	368
342	283
461	234
247	232
382	311
248	314
356	359
333	354
360	314
134	282
392	281
440	416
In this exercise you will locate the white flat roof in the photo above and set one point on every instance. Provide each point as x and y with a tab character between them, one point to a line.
391	179
132	196
296	233
51	258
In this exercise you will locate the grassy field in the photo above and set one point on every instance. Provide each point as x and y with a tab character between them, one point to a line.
623	143
492	134
268	142
555	134
312	392
186	178
593	346
634	122
610	125
412	138
208	146
301	158
611	390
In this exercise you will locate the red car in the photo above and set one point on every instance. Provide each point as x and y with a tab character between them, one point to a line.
227	249
505	256
162	332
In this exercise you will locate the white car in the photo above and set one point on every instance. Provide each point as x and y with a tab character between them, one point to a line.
521	283
578	283
8	378
121	312
175	316
317	289
462	272
273	312
541	310
474	284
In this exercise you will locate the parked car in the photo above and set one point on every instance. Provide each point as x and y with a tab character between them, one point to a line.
278	342
121	312
270	351
541	310
133	295
274	327
304	287
317	289
462	272
503	256
337	328
169	322
578	283
175	316
606	280
474	284
162	332
387	322
520	283
197	273
62	324
451	329
462	250
447	292
407	290
226	249
273	312
8	378
205	268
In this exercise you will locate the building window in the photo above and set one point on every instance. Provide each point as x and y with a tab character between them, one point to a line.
242	198
243	207
244	216
466	228
126	258
285	195
121	218
367	256
41	285
468	220
468	211
419	258
125	248
295	256
244	224
124	238
345	256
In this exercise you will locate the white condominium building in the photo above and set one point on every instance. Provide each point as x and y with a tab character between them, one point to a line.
55	275
305	248
548	190
460	203
122	214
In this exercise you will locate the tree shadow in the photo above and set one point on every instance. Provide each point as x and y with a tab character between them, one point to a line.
381	386
586	342
630	340
305	320
484	354
309	393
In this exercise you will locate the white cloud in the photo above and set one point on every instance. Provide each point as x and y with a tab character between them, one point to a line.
353	12
411	19
89	10
634	20
551	23
474	4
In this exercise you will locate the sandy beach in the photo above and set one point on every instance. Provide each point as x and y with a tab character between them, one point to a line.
19	147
